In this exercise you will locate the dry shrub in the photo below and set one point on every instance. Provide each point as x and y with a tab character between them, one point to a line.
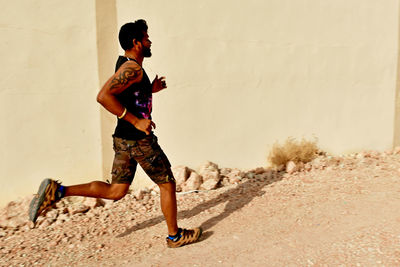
297	151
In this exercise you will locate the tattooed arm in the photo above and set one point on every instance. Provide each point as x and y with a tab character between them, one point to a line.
129	73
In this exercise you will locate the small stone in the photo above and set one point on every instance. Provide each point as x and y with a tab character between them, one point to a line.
389	152
155	189
235	180
108	202
31	224
225	181
236	173
94	202
46	223
225	171
80	209
259	170
280	167
64	210
3	233
291	167
250	175
52	214
307	166
139	194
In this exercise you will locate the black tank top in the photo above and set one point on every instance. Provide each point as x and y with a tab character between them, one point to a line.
137	99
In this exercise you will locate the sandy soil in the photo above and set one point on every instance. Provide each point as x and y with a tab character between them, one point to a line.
343	211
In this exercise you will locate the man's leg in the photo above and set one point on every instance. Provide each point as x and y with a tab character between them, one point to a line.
168	206
51	191
98	189
157	166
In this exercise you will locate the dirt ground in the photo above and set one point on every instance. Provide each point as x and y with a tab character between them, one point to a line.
338	211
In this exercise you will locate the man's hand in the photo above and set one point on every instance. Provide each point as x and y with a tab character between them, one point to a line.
145	125
158	84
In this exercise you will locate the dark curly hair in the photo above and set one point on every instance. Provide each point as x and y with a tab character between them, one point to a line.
130	31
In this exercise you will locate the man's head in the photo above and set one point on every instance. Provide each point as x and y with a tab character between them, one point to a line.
134	34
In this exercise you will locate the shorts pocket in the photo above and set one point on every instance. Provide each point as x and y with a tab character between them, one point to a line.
155	165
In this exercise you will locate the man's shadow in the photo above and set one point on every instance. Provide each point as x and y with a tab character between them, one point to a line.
236	197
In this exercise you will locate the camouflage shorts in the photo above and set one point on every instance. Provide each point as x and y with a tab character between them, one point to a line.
146	152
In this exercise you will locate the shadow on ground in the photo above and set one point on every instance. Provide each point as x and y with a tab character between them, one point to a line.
236	198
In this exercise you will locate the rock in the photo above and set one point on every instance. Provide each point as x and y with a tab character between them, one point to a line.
52	215
139	194
225	171
225	181
209	184
64	210
375	154
280	167
235	176
388	152
79	209
307	166
181	174
155	189
178	188
259	170
360	155
235	180
15	222
94	202
300	166
236	172
250	175
211	175
318	163
108	202
210	171
208	166
2	233
45	223
291	167
396	150
146	198
3	221
63	217
193	183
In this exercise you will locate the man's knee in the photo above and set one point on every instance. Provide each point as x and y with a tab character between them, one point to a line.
168	187
118	191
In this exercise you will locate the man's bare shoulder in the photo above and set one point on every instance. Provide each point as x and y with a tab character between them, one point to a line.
130	68
129	73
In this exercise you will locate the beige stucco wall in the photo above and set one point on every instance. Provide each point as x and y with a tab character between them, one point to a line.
241	75
50	122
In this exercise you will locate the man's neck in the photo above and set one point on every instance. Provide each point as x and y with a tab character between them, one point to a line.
136	57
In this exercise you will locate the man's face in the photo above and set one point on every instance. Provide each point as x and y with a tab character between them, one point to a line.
146	45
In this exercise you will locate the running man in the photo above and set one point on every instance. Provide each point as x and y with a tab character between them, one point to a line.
128	95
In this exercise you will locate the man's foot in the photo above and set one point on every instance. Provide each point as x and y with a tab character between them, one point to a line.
184	237
46	197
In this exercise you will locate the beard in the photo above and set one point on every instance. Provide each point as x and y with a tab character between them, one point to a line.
146	52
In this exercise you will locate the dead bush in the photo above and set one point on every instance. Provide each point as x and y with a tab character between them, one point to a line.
292	150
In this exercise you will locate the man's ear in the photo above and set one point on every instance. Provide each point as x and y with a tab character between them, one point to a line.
135	42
